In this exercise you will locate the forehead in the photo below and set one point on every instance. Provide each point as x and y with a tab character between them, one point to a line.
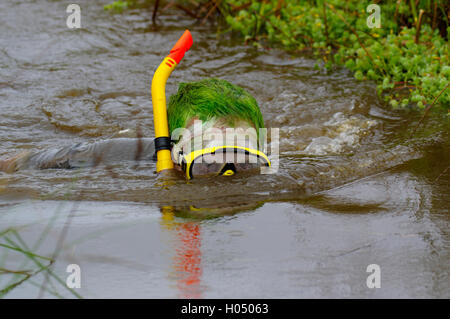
215	129
220	123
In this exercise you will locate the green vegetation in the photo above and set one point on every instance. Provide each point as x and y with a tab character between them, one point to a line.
120	6
117	6
13	246
408	66
408	56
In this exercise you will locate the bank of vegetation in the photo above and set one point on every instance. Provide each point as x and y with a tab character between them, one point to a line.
407	54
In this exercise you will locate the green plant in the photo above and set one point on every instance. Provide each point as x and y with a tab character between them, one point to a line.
408	57
408	66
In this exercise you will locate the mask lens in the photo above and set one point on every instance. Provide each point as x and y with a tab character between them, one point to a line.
214	163
205	169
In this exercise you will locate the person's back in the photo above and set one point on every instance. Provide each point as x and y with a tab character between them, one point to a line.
216	104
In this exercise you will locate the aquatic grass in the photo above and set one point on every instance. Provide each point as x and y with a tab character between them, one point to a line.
13	246
48	271
13	242
63	235
19	245
28	252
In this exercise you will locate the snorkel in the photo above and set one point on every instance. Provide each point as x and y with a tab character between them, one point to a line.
162	73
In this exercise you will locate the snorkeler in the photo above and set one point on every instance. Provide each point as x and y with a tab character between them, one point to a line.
210	127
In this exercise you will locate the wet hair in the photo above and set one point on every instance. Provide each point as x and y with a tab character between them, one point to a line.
213	99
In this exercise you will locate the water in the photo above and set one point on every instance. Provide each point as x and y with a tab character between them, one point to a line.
354	187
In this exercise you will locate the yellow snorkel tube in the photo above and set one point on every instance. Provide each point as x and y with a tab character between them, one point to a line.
162	73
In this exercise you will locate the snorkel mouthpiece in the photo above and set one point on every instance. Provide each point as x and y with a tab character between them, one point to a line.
162	73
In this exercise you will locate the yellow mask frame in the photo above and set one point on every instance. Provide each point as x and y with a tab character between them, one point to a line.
187	161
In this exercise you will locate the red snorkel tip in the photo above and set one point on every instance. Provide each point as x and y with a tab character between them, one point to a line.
181	47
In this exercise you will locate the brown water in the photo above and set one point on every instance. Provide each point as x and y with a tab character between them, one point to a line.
353	188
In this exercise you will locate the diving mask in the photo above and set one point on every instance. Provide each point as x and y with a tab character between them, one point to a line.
222	160
213	154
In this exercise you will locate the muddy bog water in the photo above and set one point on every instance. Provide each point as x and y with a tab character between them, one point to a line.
354	186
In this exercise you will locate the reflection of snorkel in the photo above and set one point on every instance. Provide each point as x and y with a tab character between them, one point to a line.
162	73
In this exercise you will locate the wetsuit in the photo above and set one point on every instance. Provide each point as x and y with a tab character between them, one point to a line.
84	154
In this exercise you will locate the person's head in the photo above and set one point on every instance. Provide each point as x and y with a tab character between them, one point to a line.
215	126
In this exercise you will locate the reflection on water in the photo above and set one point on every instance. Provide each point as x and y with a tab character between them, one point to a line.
354	187
319	246
187	268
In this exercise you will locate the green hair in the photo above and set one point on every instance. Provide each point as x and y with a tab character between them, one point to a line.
212	98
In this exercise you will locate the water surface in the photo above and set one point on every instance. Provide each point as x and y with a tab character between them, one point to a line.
354	186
